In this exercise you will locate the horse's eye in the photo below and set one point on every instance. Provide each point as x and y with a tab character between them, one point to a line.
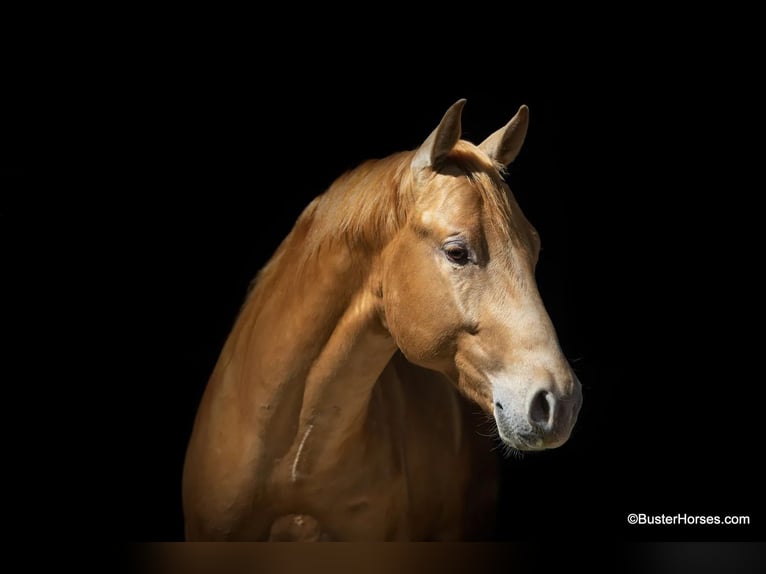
456	253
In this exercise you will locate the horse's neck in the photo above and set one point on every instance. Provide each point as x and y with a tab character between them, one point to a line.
306	353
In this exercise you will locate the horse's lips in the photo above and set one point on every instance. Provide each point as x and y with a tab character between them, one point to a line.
518	443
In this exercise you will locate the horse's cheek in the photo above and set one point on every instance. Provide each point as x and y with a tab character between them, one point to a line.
415	312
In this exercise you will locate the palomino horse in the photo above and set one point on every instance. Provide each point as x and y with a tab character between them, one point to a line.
337	409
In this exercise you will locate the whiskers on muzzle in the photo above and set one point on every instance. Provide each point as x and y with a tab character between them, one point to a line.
488	429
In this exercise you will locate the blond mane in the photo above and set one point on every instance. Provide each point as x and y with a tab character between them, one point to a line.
366	206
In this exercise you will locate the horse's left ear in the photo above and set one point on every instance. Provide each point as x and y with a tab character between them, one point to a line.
504	145
441	141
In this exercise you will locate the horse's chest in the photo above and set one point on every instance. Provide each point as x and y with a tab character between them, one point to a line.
407	477
387	488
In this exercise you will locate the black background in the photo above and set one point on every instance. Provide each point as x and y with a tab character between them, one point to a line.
640	192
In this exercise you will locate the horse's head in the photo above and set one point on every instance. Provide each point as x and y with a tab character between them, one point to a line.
459	291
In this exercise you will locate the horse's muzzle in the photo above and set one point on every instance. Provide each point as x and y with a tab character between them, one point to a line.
545	420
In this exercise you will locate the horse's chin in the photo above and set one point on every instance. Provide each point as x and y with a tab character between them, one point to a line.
528	442
519	444
524	444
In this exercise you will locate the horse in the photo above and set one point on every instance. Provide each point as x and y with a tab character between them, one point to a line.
343	405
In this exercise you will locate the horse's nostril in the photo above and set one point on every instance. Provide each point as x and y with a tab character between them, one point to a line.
499	406
540	410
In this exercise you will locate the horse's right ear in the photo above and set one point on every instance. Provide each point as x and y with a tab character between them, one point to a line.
440	142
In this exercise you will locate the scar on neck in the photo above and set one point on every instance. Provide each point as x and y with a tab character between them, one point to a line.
294	474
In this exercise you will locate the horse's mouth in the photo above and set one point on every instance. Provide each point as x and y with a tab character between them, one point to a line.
524	443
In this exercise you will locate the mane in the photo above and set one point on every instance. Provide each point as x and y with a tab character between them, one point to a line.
366	206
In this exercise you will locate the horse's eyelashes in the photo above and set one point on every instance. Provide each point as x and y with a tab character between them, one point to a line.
457	253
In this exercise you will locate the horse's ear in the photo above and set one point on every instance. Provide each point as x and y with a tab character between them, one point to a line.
441	141
505	144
